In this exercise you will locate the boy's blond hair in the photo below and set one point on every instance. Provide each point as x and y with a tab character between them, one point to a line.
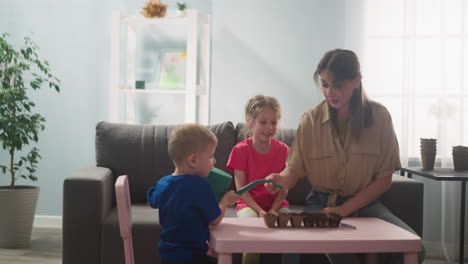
188	139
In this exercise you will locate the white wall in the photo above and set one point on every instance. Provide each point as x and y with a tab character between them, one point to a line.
272	48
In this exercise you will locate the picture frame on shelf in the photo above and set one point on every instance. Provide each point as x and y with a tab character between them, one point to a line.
172	69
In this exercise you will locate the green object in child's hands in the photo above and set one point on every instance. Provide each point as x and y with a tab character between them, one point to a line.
219	182
252	184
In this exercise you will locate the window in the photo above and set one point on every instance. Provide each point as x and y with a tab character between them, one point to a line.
415	60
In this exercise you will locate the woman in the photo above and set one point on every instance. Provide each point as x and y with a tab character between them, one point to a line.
346	146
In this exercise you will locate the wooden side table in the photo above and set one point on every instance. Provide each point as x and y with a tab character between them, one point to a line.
372	235
446	174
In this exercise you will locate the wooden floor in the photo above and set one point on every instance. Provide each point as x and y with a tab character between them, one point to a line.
46	248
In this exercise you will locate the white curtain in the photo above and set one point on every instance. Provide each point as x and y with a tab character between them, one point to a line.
414	60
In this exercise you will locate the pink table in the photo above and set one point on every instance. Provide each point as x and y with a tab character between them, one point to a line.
372	235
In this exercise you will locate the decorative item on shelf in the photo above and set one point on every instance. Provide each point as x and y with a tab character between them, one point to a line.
460	158
428	153
154	9
172	69
181	9
140	85
20	126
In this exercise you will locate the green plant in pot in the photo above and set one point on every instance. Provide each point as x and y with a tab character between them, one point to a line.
181	7
21	70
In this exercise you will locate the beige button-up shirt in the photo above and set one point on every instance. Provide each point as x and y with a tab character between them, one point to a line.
343	170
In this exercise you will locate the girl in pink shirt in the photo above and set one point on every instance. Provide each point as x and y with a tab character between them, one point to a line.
258	156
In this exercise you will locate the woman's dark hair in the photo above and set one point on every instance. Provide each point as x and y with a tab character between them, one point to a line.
344	65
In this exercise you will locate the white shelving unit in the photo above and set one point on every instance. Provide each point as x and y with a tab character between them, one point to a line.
197	79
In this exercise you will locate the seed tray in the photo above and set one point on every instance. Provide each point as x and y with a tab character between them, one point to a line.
303	219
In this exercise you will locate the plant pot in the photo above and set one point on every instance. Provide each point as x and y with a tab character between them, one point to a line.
428	153
269	219
296	219
283	220
181	13
18	207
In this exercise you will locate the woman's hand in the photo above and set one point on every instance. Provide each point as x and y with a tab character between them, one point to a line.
275	177
336	210
287	178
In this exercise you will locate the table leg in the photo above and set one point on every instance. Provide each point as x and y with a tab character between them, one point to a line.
224	258
461	251
372	258
410	258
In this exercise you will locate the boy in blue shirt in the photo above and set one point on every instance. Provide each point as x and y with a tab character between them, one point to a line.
187	204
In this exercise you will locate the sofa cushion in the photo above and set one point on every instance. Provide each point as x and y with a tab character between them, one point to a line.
226	134
140	151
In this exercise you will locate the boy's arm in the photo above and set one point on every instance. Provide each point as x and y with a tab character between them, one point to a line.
151	197
278	200
240	182
229	198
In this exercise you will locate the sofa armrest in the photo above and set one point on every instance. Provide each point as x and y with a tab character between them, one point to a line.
87	199
405	200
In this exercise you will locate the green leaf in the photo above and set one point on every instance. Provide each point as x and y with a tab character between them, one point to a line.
21	72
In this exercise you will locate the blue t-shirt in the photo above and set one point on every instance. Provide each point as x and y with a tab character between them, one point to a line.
186	205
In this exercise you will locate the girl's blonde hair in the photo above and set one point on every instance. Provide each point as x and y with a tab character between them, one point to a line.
258	104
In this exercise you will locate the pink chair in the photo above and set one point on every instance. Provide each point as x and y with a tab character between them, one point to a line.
124	211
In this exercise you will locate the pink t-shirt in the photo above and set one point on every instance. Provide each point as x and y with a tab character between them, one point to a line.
257	166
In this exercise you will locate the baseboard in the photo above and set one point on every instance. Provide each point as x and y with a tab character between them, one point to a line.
47	221
434	250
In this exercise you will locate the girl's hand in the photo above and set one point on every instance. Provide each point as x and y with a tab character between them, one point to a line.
262	213
271	211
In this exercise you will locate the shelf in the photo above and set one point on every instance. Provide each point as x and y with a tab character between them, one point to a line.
141	20
196	90
137	20
152	91
152	88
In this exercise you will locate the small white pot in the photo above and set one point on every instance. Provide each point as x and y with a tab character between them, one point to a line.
181	13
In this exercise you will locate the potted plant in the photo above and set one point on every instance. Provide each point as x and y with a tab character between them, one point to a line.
21	70
181	7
